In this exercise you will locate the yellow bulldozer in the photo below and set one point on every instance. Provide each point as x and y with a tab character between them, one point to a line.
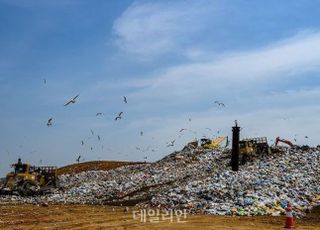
253	146
27	180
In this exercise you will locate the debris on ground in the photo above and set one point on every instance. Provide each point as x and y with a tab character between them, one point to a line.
200	180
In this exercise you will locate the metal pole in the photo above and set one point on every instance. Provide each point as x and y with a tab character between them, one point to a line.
235	147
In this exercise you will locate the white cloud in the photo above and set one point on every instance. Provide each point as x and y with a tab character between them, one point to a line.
151	29
238	72
238	79
161	104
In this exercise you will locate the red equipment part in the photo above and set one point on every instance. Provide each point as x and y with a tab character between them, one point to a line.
283	141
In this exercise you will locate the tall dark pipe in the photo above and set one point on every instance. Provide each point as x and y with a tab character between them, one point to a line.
235	147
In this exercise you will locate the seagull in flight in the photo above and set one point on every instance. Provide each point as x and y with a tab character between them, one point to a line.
78	159
141	133
125	99
171	143
73	100
119	116
98	114
182	130
49	123
99	138
91	131
82	143
220	103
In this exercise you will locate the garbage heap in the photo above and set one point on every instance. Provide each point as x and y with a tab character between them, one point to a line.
201	181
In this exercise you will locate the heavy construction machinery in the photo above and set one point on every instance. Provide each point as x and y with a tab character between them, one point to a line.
29	180
283	141
211	144
253	146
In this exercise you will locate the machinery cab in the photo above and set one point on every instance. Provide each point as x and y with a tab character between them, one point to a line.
21	168
246	147
205	142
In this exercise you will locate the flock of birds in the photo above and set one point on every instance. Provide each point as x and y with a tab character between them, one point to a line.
73	101
149	148
119	116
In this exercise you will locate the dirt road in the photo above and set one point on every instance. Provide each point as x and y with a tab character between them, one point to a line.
99	217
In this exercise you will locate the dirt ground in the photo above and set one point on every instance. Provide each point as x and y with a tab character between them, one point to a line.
106	217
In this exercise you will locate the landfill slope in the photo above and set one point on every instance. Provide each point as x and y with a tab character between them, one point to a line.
201	181
93	165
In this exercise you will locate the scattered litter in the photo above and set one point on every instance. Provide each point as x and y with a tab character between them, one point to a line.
200	180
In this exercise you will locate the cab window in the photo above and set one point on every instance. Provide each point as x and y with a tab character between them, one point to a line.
20	168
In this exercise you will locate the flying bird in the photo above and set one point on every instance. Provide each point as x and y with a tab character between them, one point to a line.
119	116
99	138
189	119
306	137
44	81
91	131
182	130
82	142
98	114
125	99
49	123
137	148
220	103
78	159
141	133
73	100
171	143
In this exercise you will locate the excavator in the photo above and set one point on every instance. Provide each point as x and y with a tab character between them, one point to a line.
212	144
283	141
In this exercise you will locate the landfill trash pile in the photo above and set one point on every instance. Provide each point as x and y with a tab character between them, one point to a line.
200	180
2	180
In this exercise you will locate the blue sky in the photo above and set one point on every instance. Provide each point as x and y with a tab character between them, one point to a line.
171	59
